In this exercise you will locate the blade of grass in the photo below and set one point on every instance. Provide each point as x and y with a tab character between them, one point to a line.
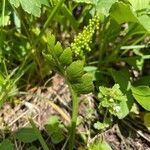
134	47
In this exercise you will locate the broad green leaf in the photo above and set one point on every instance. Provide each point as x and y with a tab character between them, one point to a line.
121	77
16	3
103	6
133	61
112	31
85	85
144	80
31	6
75	70
144	20
142	96
45	2
140	4
122	13
26	135
136	28
6	145
100	145
66	57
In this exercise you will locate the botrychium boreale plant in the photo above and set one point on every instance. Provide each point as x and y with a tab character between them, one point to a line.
70	64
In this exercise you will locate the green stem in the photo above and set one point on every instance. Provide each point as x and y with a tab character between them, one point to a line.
74	117
51	16
39	136
3	13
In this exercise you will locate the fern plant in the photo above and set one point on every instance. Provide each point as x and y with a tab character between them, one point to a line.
79	82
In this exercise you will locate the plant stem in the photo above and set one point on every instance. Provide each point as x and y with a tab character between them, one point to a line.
39	136
51	16
3	13
74	117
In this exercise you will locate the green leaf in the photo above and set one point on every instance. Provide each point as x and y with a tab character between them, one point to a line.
124	110
16	3
122	13
58	49
66	57
68	15
133	61
75	70
31	6
99	126
85	86
103	6
144	20
45	2
100	145
140	4
6	145
147	120
54	129
26	135
51	40
142	96
121	77
49	59
144	80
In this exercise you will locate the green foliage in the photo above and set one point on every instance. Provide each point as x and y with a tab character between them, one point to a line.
103	6
113	99
66	57
142	96
75	70
112	48
100	145
62	61
32	7
122	13
8	86
26	135
6	145
55	129
147	120
100	126
85	84
140	4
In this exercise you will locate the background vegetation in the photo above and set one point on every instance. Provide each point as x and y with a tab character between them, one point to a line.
97	46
